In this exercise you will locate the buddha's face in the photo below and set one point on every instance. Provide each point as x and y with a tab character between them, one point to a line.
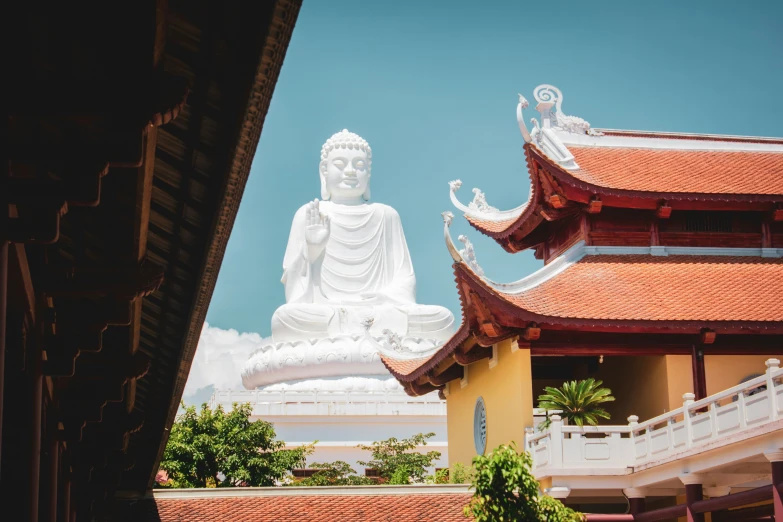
345	173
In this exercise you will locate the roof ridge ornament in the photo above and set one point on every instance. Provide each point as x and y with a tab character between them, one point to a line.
469	255
545	134
448	217
548	96
478	207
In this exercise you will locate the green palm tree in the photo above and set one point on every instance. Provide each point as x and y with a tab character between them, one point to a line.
580	402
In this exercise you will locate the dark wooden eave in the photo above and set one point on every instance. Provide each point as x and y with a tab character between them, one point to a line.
232	55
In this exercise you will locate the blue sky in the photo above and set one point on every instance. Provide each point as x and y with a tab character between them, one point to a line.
433	87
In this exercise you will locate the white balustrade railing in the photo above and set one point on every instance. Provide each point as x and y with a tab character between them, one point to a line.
726	414
325	402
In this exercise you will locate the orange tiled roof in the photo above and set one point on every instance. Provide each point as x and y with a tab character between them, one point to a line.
409	371
490	226
310	508
675	171
404	367
652	288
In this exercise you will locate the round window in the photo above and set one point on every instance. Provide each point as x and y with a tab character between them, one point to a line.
480	426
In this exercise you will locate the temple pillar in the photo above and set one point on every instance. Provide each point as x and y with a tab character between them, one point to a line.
53	447
64	507
3	310
699	377
776	460
693	493
34	379
636	500
4	247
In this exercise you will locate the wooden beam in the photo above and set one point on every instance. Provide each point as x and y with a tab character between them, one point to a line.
565	348
418	389
453	372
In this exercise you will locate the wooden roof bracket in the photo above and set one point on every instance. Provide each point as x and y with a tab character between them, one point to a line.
531	333
594	206
777	212
664	211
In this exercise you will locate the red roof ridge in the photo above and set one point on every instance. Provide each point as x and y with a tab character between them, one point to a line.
690	136
277	491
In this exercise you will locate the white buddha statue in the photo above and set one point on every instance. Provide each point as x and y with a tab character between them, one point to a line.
347	267
349	287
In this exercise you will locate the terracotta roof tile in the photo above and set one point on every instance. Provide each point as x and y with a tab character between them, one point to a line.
311	508
490	226
651	288
674	171
404	367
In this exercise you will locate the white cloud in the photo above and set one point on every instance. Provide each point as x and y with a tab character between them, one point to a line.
219	358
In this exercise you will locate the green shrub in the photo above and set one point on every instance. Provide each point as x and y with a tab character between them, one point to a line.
505	490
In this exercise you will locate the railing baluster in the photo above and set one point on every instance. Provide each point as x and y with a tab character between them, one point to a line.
772	366
713	419
741	411
687	400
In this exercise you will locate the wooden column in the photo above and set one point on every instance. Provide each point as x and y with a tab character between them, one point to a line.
4	218
3	303
699	378
776	459
636	500
54	471
34	379
65	491
693	493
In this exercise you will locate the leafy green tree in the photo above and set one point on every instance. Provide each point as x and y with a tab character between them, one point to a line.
506	491
580	402
398	462
457	474
338	473
215	448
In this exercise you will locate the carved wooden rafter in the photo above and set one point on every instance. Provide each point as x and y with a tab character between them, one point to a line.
417	389
453	372
120	283
477	353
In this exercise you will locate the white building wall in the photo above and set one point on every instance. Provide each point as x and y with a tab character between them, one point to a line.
340	422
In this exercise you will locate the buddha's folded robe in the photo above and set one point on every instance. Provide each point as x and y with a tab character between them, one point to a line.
364	277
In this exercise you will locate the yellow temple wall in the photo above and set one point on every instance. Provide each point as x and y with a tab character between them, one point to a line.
508	399
626	376
721	372
725	371
679	377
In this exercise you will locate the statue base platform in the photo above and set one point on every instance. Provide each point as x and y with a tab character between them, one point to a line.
338	356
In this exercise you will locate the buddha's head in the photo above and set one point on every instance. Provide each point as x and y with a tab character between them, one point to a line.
345	167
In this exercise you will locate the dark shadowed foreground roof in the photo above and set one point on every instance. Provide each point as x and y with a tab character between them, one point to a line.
428	503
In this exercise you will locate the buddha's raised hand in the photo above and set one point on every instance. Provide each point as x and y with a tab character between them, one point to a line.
317	227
